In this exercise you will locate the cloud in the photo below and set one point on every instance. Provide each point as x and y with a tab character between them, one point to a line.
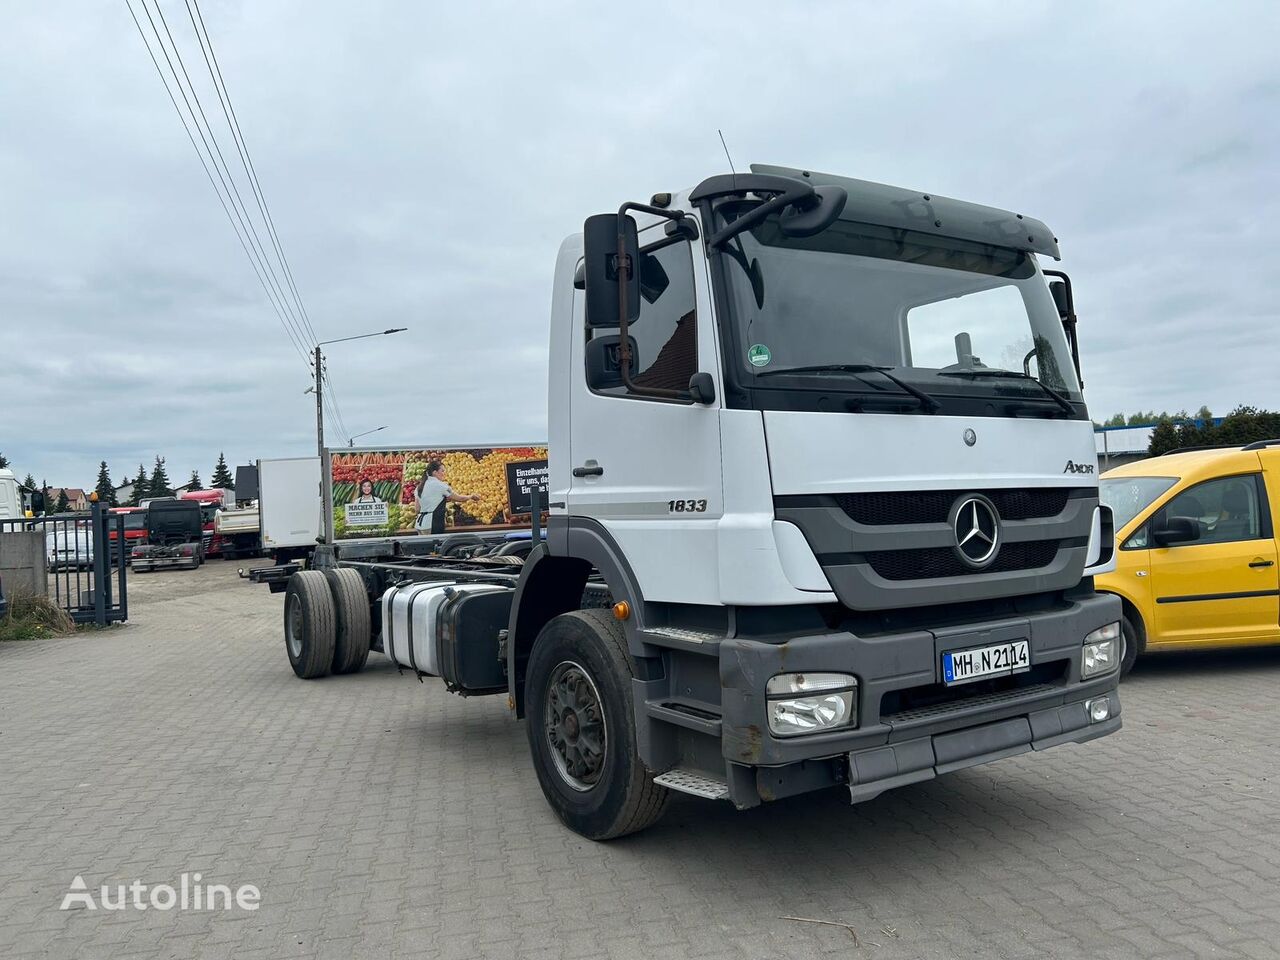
422	163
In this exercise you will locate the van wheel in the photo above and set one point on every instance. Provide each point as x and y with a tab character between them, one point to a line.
582	730
309	627
352	631
1132	642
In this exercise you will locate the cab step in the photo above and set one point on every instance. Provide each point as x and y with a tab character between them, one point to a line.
694	783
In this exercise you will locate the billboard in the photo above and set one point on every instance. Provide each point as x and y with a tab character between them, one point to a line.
373	492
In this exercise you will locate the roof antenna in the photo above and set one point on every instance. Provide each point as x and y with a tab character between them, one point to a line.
729	158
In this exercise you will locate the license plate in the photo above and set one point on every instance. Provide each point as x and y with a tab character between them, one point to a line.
1002	659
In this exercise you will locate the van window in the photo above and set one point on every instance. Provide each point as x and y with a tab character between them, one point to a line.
665	347
1129	496
1227	509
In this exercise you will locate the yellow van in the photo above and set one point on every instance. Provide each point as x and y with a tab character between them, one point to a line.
1196	558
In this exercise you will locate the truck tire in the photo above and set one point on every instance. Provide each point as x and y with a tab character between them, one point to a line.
352	630
309	624
579	680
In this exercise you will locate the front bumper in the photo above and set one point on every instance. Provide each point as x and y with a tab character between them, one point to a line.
910	726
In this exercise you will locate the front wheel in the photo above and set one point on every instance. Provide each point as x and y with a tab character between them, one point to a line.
582	731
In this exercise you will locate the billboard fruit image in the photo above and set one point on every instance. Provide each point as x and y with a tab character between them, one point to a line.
395	475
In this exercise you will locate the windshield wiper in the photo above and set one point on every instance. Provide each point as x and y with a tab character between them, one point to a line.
994	373
926	401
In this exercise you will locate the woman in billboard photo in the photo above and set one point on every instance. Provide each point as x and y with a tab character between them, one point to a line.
431	496
365	494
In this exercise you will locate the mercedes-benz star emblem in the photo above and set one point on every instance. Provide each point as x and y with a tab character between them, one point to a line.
970	436
977	529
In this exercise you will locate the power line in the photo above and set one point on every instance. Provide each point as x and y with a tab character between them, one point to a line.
230	219
247	219
334	395
246	159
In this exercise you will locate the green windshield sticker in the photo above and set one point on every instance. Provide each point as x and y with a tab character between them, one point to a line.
758	355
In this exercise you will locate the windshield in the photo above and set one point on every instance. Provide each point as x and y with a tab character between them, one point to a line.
1129	496
948	314
135	521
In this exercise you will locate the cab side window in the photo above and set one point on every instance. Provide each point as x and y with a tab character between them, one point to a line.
664	342
1227	510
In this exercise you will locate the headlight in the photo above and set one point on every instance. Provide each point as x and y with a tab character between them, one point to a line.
826	701
1101	652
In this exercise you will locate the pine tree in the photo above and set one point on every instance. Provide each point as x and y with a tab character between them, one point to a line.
4	461
194	482
158	486
63	505
1164	438
139	487
104	488
30	483
222	475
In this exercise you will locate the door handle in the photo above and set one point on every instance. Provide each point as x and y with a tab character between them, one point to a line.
1262	563
592	471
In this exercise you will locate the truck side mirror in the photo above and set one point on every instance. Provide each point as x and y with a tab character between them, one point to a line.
1058	289
1176	530
601	275
702	389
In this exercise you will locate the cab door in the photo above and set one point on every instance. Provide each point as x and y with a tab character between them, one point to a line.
1221	588
647	469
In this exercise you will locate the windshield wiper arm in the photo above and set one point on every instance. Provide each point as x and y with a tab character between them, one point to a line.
993	373
926	401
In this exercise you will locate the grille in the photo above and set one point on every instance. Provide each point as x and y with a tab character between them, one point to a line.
932	506
936	562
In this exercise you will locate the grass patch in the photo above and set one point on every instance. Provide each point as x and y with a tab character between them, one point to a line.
34	618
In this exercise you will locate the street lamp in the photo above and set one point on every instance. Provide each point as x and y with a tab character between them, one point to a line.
319	368
351	441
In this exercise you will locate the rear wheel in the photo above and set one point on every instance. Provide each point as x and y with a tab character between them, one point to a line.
352	631
309	626
581	728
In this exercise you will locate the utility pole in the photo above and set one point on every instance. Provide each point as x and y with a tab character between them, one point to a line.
319	408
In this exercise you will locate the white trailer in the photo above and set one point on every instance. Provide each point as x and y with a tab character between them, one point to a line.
290	506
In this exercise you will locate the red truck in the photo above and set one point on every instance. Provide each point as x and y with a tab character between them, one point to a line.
135	531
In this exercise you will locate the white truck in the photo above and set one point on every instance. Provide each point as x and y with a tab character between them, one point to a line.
289	506
11	507
823	511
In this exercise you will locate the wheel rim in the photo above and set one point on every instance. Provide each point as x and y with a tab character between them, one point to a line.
574	721
1124	643
293	626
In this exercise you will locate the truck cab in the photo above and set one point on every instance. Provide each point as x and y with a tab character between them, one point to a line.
134	524
1197	558
174	536
825	442
10	496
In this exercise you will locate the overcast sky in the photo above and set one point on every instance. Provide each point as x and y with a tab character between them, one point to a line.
423	162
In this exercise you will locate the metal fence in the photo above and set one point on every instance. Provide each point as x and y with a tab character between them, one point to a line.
86	559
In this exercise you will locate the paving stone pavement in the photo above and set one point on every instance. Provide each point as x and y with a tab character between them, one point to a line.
381	817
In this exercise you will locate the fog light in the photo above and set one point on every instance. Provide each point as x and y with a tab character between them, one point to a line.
1099	709
1101	652
831	702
